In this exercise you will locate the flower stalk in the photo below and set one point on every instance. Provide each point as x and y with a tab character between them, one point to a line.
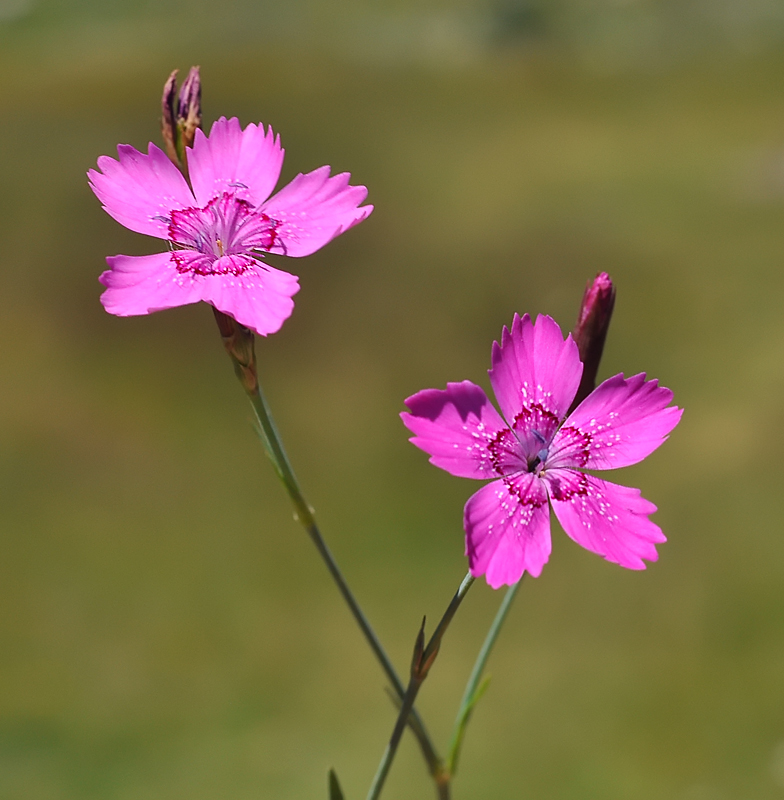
239	344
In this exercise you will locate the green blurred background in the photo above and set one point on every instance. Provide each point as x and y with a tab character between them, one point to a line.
166	630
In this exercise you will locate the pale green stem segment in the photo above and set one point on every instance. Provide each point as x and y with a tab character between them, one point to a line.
420	666
474	689
239	344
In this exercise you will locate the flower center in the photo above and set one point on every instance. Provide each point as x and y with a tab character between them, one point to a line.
535	426
541	454
221	236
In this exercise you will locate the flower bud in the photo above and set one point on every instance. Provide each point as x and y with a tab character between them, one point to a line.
179	125
590	331
189	108
168	124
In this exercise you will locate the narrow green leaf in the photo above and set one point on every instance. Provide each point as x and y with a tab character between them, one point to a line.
335	792
477	696
465	716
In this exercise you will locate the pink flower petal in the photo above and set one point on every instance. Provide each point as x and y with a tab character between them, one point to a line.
604	518
507	526
534	367
313	209
620	423
140	190
244	162
143	284
259	298
458	428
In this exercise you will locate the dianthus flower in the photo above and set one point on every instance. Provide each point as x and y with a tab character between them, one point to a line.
535	453
218	231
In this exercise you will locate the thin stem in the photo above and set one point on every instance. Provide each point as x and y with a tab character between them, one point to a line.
423	660
304	513
473	689
239	343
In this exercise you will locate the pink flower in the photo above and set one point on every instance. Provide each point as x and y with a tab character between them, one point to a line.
535	453
217	232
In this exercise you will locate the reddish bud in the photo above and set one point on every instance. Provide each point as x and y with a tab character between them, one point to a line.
179	124
168	122
591	329
189	107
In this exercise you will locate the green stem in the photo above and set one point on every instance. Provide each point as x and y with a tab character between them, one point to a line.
423	660
240	345
305	515
473	689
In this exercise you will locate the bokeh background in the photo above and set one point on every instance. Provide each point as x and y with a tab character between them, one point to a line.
166	629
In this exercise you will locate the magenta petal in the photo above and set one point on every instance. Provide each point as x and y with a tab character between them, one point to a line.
143	284
534	366
604	518
456	426
139	190
620	423
259	298
313	209
507	526
244	162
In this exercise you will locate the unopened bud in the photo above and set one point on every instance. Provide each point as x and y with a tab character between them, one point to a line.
179	124
591	329
189	108
168	122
